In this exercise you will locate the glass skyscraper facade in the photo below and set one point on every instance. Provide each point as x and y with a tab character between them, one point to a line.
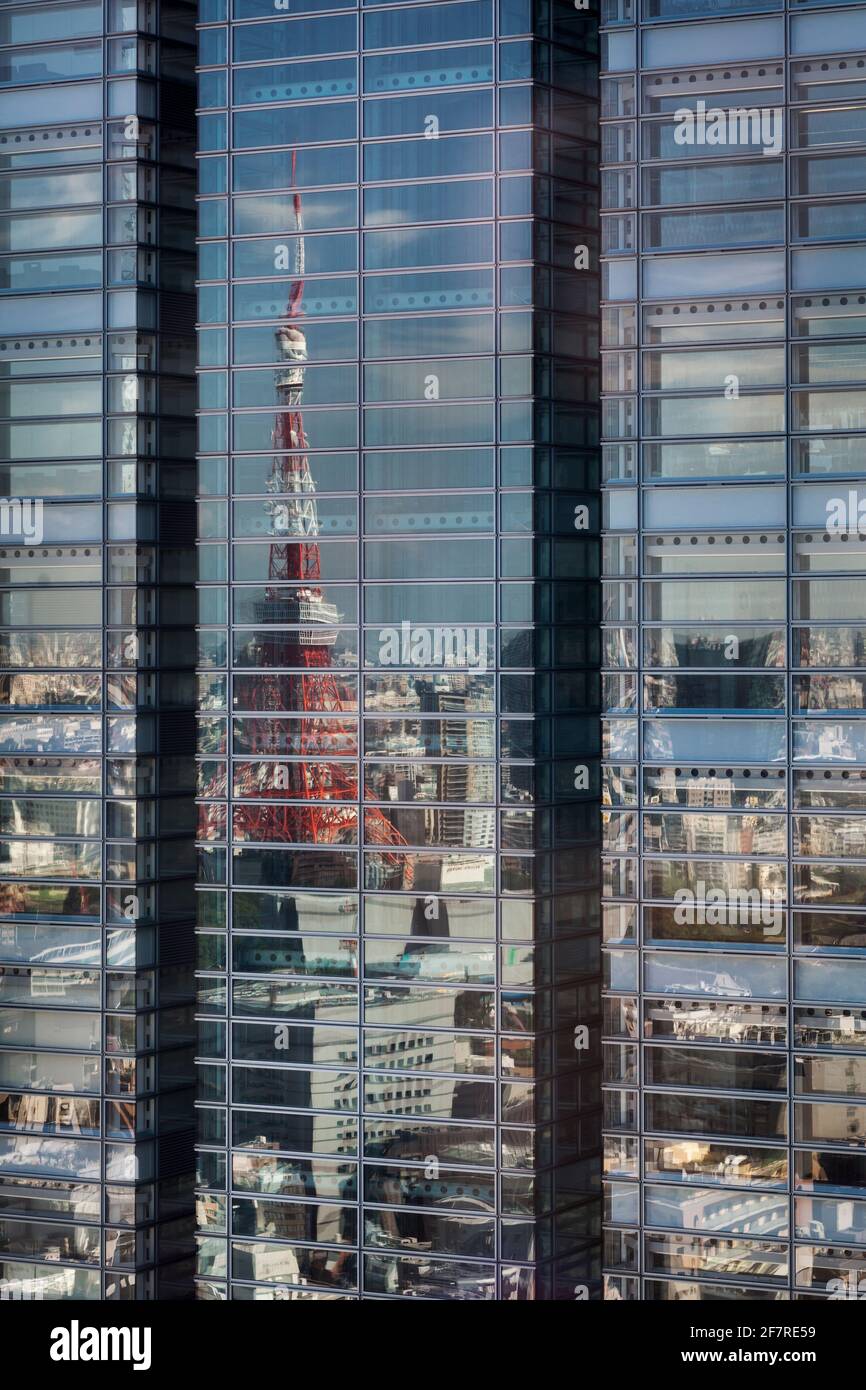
96	642
451	711
398	562
734	310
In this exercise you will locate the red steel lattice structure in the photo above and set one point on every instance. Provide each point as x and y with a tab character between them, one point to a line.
294	597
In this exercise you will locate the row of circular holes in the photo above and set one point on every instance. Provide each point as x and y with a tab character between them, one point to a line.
761	72
17	139
58	342
746	772
46	554
729	540
780	304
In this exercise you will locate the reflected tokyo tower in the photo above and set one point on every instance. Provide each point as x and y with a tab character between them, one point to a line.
302	635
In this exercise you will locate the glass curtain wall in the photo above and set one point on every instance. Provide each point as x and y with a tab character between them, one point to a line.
95	767
734	313
398	607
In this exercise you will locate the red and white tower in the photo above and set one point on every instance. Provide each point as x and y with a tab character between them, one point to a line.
294	600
